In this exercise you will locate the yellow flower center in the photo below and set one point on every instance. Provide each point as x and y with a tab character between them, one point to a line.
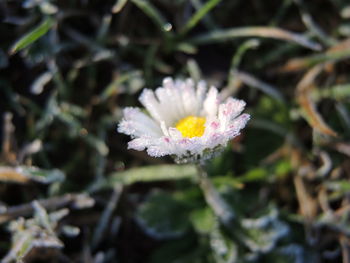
191	126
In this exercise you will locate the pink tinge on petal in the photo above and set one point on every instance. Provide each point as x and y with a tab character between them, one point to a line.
238	124
228	111
215	139
214	124
232	133
184	141
234	107
193	145
242	120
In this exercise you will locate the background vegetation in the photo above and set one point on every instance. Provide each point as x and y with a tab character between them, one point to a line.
67	68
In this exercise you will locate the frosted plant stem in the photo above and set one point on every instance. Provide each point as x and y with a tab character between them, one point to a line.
213	198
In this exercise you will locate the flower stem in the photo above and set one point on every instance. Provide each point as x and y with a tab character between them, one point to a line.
213	198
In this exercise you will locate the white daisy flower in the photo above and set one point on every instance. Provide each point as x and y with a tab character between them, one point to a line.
184	120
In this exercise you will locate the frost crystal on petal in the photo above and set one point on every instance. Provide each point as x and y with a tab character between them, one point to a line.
183	101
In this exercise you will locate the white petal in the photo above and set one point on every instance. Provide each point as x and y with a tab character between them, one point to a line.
216	139
212	125
157	151
232	108
139	144
175	98
211	103
238	124
189	99
136	123
175	133
200	96
229	110
167	106
149	101
164	128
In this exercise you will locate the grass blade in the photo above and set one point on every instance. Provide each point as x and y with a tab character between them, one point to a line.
154	14
304	89
152	173
337	92
194	70
257	31
312	25
32	36
249	44
336	53
199	15
118	6
207	19
252	81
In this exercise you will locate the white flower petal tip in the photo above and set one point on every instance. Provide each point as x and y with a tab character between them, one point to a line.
184	120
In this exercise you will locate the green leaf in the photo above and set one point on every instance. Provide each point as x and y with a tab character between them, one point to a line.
32	36
203	220
283	167
163	216
256	174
